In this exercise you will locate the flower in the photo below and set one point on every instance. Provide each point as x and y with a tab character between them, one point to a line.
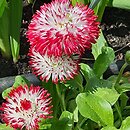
57	68
26	106
60	28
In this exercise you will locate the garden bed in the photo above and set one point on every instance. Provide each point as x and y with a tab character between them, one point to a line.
115	26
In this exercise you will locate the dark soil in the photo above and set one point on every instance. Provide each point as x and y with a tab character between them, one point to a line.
115	26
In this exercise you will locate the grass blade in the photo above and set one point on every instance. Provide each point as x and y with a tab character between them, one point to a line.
74	2
123	4
4	32
102	6
15	7
94	3
2	6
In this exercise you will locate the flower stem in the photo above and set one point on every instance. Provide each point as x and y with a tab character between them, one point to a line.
79	125
61	97
82	122
120	74
117	82
118	111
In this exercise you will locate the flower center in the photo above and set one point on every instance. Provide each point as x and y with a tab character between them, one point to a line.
64	23
61	25
25	104
55	62
68	17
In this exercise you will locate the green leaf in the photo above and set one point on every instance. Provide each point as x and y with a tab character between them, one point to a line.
80	2
4	127
15	9
68	119
97	48
110	95
123	87
75	83
70	99
86	71
75	114
45	124
95	108
113	79
3	4
71	94
123	4
126	124
103	61
57	125
123	101
6	92
65	122
52	90
126	111
109	128
20	80
101	8
93	3
95	83
4	34
71	105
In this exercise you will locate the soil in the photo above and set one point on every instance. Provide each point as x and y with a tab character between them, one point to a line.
115	25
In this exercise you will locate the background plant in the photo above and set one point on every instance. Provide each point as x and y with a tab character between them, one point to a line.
10	21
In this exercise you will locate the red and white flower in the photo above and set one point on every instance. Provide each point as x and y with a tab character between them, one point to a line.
56	68
26	106
60	28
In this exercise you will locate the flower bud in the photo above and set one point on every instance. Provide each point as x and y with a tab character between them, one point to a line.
127	57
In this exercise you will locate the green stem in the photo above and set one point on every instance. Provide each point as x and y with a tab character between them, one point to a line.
82	122
117	123
127	108
81	89
120	74
87	59
79	125
118	111
61	98
101	9
63	101
55	112
117	82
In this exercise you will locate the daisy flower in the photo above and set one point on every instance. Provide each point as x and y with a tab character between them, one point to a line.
26	106
55	68
60	28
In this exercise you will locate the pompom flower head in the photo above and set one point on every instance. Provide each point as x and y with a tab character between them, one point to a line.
26	106
60	28
55	68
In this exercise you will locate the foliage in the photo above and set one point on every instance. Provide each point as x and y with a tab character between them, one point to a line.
94	103
10	21
88	102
